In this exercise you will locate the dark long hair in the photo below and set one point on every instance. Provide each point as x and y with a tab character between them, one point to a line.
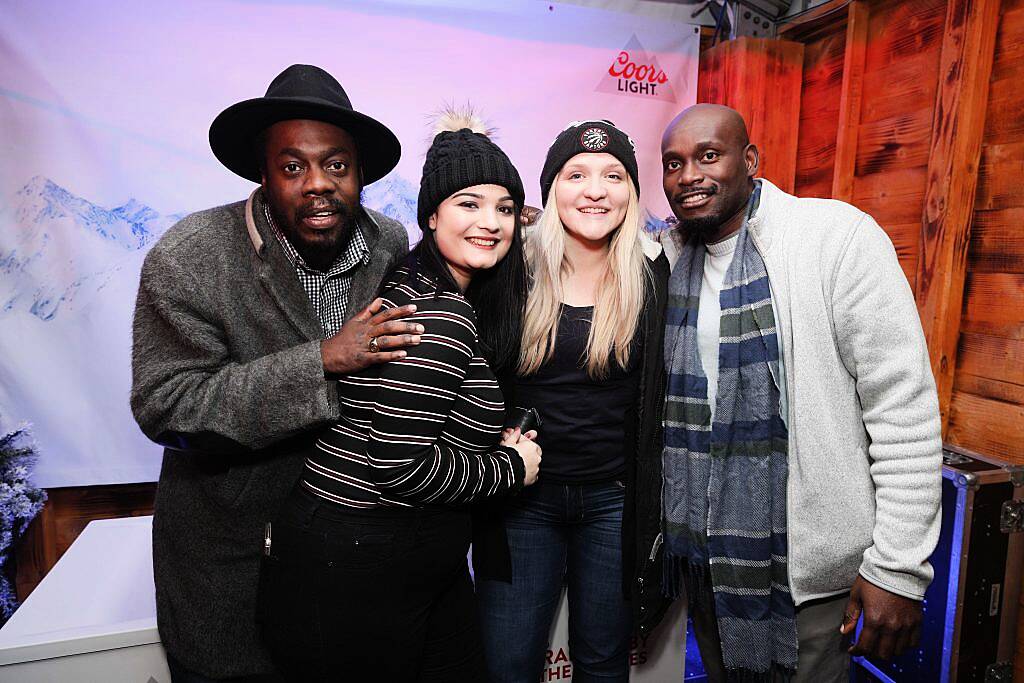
497	295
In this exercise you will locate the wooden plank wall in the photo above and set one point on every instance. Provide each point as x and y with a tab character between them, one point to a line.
917	102
900	83
987	406
757	77
893	126
819	110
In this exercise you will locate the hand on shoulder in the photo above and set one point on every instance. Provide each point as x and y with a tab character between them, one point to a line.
372	336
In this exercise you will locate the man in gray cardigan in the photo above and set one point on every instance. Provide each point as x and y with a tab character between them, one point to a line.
244	317
847	389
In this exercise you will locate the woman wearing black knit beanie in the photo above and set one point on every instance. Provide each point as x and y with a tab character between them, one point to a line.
590	363
367	579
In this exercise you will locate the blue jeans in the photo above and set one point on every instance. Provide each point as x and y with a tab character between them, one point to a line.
560	534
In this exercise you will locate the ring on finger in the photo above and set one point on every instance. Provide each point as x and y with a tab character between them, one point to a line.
373	345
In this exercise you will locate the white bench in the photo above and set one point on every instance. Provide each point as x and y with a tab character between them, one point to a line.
92	619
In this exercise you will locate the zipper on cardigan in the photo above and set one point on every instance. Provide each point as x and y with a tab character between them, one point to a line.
266	540
650	560
657	545
790	410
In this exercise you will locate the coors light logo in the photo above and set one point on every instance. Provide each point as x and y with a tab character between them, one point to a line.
634	72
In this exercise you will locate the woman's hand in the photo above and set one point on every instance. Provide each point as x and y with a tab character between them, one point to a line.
527	449
509	432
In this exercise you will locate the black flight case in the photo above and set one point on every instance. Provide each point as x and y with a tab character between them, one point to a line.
970	610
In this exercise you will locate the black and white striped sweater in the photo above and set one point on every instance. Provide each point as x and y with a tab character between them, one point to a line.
424	429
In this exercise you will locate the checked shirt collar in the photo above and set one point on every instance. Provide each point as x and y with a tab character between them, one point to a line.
328	290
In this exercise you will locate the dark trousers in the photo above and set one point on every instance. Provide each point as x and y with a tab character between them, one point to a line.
560	534
821	654
381	595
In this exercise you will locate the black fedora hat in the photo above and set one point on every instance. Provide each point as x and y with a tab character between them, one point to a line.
301	92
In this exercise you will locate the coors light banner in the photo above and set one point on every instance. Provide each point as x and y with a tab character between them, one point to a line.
105	109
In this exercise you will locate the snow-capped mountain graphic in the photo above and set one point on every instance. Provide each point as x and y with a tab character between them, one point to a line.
138	214
395	197
55	246
42	202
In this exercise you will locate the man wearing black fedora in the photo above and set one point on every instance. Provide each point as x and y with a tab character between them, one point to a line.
246	314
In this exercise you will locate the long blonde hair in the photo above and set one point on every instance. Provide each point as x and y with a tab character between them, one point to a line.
620	292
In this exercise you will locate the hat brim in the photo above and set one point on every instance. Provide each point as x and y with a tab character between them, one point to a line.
233	133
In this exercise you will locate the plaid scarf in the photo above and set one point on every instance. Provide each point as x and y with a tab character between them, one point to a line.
725	483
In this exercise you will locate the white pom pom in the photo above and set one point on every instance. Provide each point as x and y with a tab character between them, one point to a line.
452	118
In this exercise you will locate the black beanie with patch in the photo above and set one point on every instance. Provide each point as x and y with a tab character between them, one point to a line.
596	136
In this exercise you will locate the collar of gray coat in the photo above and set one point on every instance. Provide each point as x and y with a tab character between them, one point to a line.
367	223
250	224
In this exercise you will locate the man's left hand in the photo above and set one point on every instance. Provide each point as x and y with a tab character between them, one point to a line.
892	623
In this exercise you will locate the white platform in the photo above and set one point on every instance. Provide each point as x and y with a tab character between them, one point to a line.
92	619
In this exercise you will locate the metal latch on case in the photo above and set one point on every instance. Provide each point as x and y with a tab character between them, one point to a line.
951	458
1011	519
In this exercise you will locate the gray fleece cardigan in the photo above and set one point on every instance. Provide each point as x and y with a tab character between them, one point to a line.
227	374
865	451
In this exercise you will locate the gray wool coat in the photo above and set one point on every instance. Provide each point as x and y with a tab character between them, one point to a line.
227	375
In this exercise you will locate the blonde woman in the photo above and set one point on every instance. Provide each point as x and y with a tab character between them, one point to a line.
590	363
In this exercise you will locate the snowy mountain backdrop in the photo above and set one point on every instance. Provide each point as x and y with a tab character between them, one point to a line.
69	273
395	197
63	248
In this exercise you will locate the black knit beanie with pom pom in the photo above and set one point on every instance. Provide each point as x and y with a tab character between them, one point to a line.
462	155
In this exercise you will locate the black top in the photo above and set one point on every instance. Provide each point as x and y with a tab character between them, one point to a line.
583	432
642	565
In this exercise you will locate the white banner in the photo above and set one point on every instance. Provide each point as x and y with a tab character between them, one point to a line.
105	109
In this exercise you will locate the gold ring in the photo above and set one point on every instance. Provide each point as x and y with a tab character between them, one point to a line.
373	345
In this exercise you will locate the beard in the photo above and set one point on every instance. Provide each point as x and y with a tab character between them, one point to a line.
701	228
318	249
705	228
